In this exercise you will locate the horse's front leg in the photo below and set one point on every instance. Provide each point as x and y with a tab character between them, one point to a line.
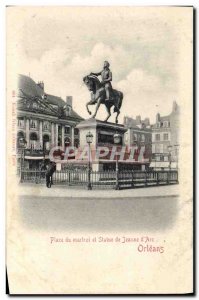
87	104
97	107
109	113
91	102
116	119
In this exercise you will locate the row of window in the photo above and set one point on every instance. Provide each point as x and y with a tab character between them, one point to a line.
163	124
34	142
161	158
158	137
159	148
46	126
141	137
34	137
35	145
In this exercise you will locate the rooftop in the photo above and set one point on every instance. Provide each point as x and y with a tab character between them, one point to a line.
161	119
137	123
28	88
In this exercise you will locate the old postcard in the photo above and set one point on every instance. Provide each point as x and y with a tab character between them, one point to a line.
99	150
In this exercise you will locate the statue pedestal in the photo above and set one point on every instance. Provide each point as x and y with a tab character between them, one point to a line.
103	136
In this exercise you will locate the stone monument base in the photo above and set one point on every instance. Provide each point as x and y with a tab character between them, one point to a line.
103	136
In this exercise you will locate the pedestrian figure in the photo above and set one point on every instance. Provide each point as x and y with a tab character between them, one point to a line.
51	168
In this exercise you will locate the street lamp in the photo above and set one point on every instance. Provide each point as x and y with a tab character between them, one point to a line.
117	139
169	149
22	146
89	139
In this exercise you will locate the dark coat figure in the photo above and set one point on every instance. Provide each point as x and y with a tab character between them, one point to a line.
106	75
49	174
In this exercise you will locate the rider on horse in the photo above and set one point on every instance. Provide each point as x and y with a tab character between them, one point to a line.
106	79
102	92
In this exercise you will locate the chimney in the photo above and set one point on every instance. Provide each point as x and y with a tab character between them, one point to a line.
41	85
138	120
175	106
157	117
69	101
147	121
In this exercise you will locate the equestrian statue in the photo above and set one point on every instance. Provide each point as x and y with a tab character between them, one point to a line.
102	92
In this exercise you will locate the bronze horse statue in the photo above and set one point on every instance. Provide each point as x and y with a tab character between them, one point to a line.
98	96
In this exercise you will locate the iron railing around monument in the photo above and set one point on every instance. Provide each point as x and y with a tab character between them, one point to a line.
33	176
146	178
104	179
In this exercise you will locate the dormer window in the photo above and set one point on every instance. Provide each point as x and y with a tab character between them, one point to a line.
34	106
68	110
143	125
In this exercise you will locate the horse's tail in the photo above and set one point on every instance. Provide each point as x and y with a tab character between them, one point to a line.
119	102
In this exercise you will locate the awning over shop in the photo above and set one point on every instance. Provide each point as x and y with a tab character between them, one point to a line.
163	164
159	164
34	157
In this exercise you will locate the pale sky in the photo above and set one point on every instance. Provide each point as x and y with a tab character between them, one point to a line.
61	45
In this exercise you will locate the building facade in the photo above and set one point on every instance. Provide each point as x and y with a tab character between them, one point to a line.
165	140
44	121
139	135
